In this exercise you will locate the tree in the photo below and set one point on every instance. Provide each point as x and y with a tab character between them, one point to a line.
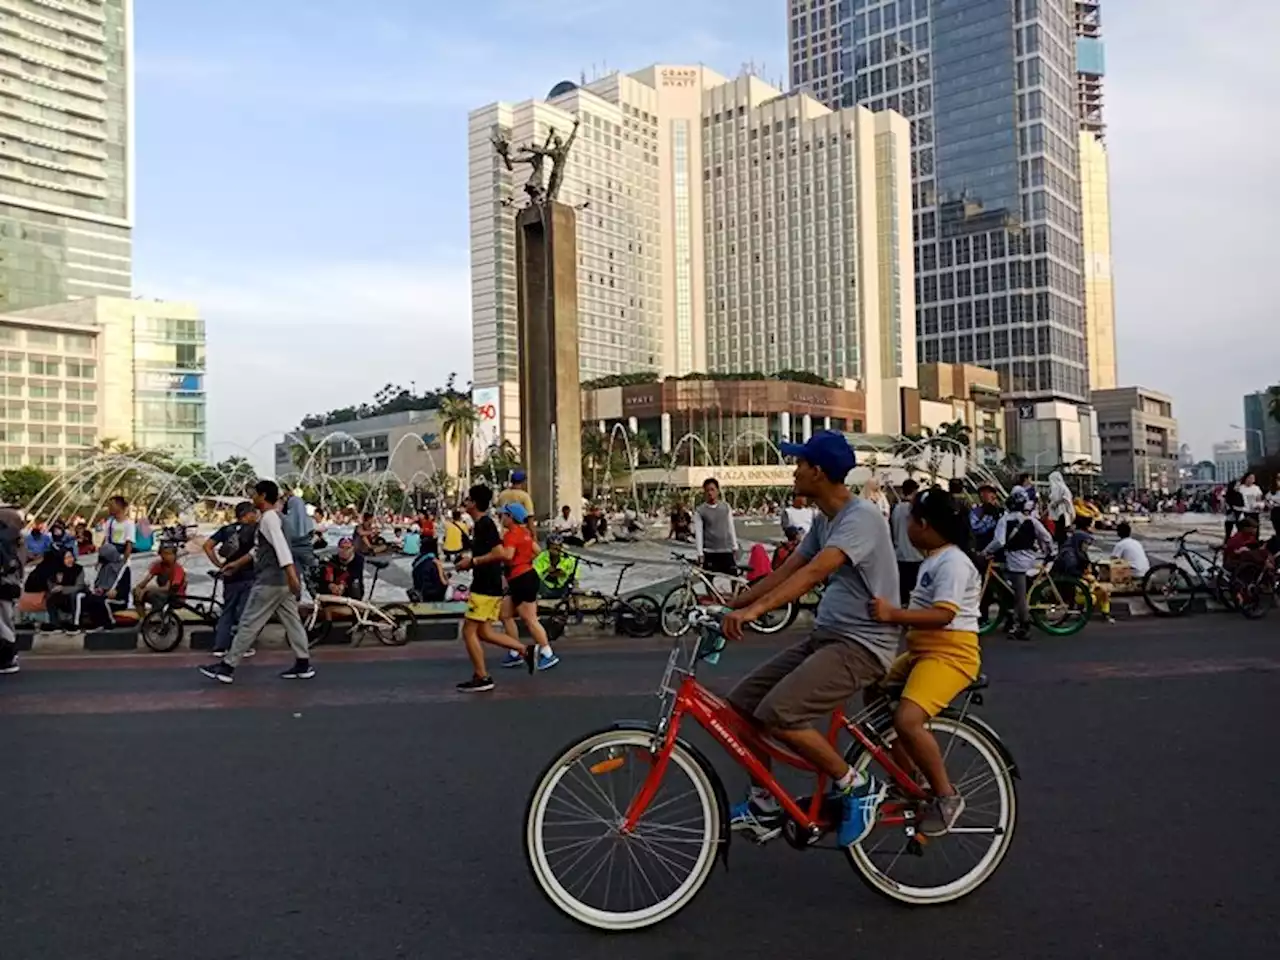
959	431
458	422
1273	403
595	454
19	486
309	451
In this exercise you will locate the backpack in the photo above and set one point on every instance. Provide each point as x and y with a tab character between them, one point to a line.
229	547
1022	538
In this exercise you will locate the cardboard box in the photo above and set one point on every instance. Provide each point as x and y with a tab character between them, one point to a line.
1117	572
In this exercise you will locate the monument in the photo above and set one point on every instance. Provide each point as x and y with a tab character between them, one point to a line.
547	326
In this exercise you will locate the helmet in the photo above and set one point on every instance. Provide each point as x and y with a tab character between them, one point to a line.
1018	502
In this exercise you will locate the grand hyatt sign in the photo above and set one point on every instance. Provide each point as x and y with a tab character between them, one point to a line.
678	78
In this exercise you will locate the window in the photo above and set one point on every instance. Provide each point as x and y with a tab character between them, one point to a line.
44	366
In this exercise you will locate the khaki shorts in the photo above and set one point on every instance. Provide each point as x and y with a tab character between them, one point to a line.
806	682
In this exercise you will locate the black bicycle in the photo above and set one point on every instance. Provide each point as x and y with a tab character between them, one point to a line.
162	629
1170	588
636	616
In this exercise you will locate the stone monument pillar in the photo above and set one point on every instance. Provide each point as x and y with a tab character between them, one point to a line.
547	329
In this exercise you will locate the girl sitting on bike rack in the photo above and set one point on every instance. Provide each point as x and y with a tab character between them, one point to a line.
942	655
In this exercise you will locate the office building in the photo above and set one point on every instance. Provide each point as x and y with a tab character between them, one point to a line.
722	226
66	150
407	444
1139	438
77	373
1261	429
964	393
1230	461
990	89
1095	198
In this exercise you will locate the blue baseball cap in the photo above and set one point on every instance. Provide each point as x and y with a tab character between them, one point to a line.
516	512
828	451
518	476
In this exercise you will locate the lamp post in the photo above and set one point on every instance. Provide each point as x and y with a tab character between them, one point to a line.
1262	439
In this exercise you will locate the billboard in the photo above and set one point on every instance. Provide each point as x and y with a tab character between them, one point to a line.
159	380
489	426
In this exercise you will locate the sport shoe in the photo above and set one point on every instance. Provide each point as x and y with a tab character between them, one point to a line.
477	685
764	825
940	815
251	652
223	673
547	660
858	811
218	654
301	670
513	659
10	666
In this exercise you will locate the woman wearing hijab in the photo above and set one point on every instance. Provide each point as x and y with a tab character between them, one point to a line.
871	491
66	585
111	588
1062	510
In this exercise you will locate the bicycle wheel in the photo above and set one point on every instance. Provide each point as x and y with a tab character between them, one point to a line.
590	870
396	630
675	610
1251	592
161	630
1168	590
775	620
639	616
1061	606
931	870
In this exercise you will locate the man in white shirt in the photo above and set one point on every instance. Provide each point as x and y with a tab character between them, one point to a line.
1131	551
909	558
798	515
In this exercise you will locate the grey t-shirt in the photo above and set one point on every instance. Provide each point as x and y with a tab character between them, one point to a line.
859	531
900	521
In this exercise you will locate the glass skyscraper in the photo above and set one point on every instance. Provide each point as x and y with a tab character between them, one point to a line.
66	144
990	90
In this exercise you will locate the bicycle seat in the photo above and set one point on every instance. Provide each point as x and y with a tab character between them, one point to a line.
377	564
627	566
980	684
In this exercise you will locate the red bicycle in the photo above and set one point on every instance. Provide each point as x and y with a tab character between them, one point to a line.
624	826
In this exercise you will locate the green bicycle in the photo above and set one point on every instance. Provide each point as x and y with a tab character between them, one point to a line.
1060	606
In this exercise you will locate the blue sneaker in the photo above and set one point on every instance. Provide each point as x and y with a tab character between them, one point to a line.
763	825
547	660
513	659
858	813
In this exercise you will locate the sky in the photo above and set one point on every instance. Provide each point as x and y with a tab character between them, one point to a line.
301	175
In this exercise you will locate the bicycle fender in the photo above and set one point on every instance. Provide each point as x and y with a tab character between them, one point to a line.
722	797
985	729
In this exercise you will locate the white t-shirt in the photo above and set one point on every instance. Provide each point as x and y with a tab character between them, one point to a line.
1133	552
948	577
1252	498
799	517
120	532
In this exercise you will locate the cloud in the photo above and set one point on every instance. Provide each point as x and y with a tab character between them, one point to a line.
304	338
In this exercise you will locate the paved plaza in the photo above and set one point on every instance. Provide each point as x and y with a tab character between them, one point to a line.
375	813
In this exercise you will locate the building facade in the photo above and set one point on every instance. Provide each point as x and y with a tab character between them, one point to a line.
722	226
990	90
1139	438
964	393
85	371
66	150
1230	460
407	445
1261	430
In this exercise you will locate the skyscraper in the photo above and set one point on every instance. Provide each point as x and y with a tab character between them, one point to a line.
66	150
990	90
1095	200
723	226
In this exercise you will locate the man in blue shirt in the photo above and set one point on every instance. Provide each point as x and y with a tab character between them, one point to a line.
39	541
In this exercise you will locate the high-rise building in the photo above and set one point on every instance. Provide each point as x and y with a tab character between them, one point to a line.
990	90
1230	460
1261	430
1095	198
66	150
1139	438
722	225
76	373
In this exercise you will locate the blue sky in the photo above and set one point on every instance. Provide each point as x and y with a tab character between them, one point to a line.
301	175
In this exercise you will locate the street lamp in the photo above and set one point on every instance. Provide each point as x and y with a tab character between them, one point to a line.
1262	437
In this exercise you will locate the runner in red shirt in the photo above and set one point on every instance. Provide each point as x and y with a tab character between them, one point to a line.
522	587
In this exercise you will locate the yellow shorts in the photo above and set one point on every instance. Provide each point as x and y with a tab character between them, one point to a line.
933	679
483	608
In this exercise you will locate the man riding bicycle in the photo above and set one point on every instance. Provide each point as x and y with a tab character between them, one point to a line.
849	548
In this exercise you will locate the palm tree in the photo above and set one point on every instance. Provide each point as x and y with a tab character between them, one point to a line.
311	451
959	431
595	451
458	422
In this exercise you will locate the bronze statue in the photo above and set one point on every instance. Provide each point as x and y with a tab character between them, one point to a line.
535	156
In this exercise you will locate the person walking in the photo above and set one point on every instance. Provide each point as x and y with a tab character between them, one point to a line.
1233	508
909	558
13	558
1252	499
1062	508
276	588
230	550
518	492
714	533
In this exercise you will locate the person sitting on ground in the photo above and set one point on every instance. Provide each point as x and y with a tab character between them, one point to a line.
84	540
66	585
594	525
342	575
787	547
1131	551
430	579
681	524
62	540
365	536
1073	561
110	591
566	528
39	542
165	579
411	544
556	569
942	656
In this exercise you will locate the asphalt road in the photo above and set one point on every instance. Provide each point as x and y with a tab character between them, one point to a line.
373	813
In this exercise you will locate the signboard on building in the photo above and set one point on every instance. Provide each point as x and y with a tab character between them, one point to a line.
160	380
489	426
